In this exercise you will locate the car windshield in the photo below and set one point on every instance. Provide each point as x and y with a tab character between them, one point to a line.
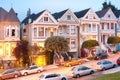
41	76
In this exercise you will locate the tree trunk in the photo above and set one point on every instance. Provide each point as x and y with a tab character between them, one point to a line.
60	59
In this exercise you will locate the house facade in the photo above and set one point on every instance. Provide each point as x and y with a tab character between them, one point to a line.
38	27
9	33
89	25
108	23
68	27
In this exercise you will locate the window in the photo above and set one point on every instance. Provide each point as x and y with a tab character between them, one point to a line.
13	32
68	30
41	31
89	27
83	28
94	27
112	26
35	32
102	26
109	16
7	32
73	31
68	17
72	43
45	19
107	25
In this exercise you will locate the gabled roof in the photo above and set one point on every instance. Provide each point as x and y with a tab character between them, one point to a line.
58	15
12	16
3	14
101	13
117	13
81	13
32	17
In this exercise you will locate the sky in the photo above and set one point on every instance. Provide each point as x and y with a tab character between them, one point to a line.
21	6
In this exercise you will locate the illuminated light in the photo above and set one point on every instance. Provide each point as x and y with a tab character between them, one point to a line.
51	29
41	44
1	50
40	60
90	37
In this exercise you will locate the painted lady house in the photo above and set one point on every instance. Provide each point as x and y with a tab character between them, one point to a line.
9	33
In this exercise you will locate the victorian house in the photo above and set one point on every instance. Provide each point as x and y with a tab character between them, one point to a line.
9	33
38	27
117	14
68	27
108	23
89	25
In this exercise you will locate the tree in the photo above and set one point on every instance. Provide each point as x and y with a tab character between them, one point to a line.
21	52
90	44
114	40
56	44
106	5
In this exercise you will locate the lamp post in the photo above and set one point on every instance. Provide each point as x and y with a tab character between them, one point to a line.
78	41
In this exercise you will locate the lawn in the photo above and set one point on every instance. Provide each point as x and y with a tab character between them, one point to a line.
114	76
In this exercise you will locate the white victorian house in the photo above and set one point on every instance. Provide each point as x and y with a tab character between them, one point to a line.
38	27
68	25
89	25
108	23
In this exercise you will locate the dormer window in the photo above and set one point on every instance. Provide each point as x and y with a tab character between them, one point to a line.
13	32
46	19
68	17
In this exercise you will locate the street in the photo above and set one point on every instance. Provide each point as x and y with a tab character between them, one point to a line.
65	70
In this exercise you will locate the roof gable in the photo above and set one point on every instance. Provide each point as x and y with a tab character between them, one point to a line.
81	13
3	14
58	15
102	12
12	16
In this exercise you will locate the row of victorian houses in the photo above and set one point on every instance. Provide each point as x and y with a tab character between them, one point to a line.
74	26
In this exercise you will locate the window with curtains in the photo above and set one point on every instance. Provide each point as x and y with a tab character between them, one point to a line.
73	30
41	31
35	32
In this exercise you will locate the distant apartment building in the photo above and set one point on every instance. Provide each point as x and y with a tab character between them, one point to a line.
9	33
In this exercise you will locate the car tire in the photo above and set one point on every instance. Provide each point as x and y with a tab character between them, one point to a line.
114	66
38	71
63	79
103	69
78	75
25	73
15	76
91	72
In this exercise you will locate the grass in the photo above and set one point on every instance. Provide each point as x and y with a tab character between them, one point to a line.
114	76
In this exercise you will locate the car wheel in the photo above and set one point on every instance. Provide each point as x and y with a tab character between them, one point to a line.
103	69
114	66
69	65
25	73
91	72
63	79
15	75
38	71
77	76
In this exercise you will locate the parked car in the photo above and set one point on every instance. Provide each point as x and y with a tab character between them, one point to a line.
53	76
74	62
9	74
105	64
101	56
80	71
118	61
31	69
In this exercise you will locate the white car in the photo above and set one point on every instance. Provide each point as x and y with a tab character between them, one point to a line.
31	69
53	76
105	64
78	71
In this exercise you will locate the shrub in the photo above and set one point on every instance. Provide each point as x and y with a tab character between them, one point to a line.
90	57
115	52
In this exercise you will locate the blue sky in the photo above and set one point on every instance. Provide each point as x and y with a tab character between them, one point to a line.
21	6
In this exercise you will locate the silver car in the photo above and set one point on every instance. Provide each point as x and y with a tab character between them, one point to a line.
53	76
31	69
105	64
80	71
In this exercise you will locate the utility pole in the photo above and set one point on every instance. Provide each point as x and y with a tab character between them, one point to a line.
78	41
